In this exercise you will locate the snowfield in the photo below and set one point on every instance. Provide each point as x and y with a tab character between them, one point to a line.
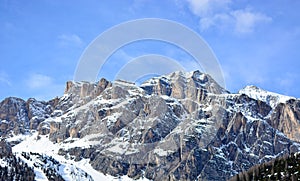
70	170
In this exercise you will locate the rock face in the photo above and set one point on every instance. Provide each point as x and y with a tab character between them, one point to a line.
182	126
286	119
5	148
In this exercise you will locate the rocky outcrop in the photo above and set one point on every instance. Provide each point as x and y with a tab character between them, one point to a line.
86	91
19	116
182	85
15	115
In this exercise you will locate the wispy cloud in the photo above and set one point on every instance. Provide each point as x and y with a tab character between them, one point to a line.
287	81
70	40
246	21
205	8
9	26
38	81
43	87
4	78
220	14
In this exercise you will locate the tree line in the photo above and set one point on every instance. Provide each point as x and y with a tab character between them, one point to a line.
283	168
15	169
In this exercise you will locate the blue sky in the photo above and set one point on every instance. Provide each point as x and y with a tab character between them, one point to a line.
41	41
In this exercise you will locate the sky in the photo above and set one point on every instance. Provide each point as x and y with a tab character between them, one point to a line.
41	41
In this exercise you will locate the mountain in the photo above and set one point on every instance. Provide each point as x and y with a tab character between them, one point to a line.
181	126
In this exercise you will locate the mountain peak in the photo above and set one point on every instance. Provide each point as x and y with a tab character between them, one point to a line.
271	98
183	84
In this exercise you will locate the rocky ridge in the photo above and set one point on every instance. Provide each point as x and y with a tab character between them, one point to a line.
182	126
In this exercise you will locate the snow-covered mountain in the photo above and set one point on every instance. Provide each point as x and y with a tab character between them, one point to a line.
181	126
271	98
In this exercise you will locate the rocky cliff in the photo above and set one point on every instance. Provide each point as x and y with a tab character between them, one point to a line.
181	126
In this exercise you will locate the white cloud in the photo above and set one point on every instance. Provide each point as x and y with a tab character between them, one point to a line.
39	81
70	39
220	14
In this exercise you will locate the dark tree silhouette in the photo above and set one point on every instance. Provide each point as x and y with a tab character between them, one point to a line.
282	168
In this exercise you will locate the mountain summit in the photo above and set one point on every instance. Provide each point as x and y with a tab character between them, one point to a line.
181	126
